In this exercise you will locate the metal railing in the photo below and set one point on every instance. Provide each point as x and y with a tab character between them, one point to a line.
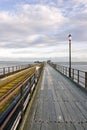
78	76
11	117
12	69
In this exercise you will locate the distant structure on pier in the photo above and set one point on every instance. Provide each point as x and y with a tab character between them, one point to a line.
48	61
37	62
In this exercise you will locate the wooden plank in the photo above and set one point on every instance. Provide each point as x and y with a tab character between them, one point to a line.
62	126
76	92
35	126
45	111
78	126
85	126
44	126
63	90
84	105
81	108
65	112
72	113
59	114
70	126
38	113
52	126
52	112
59	98
78	113
52	85
69	95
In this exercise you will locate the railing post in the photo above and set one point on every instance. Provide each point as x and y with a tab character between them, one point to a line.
73	74
8	69
66	71
4	71
78	76
20	67
16	68
63	70
58	67
12	68
85	79
69	72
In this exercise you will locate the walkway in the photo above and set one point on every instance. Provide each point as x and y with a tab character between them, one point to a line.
59	105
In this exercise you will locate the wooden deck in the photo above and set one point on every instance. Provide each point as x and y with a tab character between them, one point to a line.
59	105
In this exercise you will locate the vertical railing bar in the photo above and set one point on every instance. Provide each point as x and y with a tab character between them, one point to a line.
73	73
4	71
85	79
66	71
78	75
8	69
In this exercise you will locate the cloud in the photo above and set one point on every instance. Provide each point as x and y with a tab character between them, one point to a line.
41	28
29	26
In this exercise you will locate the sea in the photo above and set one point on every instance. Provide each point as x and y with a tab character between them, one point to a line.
76	65
13	63
82	66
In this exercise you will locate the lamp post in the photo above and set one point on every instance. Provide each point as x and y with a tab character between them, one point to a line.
70	38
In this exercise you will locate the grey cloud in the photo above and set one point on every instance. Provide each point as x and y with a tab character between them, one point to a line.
32	20
43	26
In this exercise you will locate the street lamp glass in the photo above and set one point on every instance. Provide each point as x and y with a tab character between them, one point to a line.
70	37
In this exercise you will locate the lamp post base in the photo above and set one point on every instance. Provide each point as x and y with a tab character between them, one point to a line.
69	72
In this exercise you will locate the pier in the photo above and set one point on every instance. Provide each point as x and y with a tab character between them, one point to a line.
49	100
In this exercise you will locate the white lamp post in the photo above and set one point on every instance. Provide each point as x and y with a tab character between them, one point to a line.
70	38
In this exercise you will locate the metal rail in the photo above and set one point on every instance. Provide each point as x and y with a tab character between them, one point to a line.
11	117
5	71
78	76
15	82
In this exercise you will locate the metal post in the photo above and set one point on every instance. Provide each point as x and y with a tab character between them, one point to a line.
16	68
70	58
73	74
85	79
12	68
69	55
78	76
4	71
8	69
63	70
66	71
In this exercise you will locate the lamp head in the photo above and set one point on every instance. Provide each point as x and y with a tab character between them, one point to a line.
70	37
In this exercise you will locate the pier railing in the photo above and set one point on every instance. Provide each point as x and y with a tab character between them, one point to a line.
78	76
11	117
12	69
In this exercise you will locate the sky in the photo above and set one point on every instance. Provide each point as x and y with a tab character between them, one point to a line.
38	30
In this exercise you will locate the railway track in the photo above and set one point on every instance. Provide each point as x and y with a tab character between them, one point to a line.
15	93
10	87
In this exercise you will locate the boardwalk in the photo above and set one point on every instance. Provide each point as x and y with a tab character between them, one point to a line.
59	105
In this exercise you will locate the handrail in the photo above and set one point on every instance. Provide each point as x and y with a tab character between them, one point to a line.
78	76
12	116
5	71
